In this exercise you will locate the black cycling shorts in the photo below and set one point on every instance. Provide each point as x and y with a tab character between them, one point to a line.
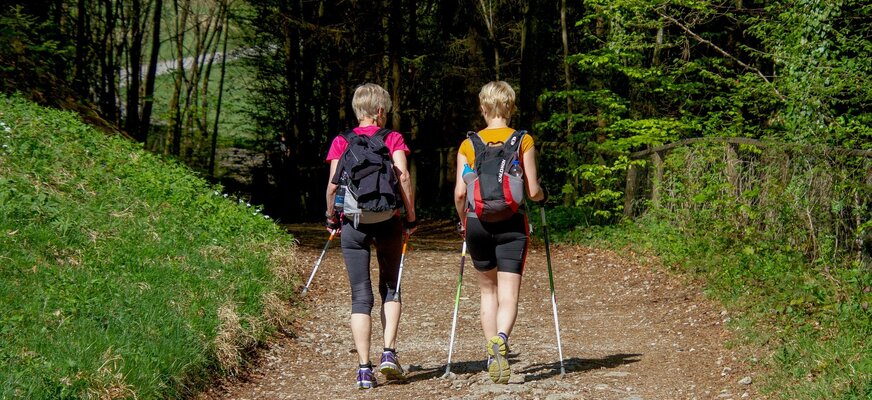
501	245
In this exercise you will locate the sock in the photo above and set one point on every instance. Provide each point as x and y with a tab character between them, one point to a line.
365	366
388	349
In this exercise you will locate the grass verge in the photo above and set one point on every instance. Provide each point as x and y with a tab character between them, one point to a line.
121	274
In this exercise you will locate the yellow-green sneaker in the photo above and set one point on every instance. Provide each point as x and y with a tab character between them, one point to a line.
497	363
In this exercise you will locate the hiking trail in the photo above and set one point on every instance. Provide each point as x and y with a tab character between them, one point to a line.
628	331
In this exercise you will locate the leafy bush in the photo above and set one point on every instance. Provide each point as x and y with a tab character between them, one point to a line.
123	275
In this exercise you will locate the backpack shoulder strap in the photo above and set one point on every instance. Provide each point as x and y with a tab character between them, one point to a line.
380	137
478	146
513	143
348	135
382	133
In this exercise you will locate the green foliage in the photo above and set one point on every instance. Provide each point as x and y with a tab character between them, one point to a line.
780	232
122	273
24	39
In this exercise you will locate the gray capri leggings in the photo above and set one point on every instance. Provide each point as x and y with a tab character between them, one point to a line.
388	239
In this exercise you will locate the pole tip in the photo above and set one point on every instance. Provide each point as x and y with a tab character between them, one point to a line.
303	292
449	375
562	372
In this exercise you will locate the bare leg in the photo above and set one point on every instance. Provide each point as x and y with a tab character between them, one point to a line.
487	283
390	317
507	291
361	329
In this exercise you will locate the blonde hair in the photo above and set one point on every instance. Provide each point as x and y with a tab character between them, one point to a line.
497	98
368	99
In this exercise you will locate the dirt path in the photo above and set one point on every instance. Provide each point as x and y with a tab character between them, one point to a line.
627	332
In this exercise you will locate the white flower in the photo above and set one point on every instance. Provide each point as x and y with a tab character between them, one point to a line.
266	217
8	129
225	195
215	192
248	204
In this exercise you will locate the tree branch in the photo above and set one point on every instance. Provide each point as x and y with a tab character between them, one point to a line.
722	51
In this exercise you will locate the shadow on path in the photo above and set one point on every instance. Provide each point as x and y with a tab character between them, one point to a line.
537	372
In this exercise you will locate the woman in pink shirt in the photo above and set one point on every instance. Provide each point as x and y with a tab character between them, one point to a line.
385	229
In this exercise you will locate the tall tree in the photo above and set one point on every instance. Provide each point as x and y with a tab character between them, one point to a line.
151	73
487	10
181	13
134	64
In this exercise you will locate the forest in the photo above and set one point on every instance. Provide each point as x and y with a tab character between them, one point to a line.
250	93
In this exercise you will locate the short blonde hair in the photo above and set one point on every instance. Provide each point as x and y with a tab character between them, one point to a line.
498	99
368	99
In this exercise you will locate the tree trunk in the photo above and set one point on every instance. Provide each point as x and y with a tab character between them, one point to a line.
564	34
525	99
109	64
214	147
291	129
151	74
600	32
134	62
80	79
488	13
214	43
175	100
395	43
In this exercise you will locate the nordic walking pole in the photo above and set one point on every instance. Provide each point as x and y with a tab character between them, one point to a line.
456	306
553	294
402	260
318	263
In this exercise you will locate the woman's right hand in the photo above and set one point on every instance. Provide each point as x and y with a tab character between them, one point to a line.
334	222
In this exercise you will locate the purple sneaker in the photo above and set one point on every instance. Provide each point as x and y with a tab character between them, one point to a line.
390	366
365	378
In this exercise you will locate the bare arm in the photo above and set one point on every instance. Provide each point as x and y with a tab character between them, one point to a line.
331	187
531	175
402	171
460	187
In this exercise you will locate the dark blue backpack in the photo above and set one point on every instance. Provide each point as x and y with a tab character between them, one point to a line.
366	174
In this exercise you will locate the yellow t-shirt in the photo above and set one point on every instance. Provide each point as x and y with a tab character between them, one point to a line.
494	135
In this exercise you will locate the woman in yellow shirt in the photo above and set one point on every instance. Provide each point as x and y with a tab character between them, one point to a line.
498	249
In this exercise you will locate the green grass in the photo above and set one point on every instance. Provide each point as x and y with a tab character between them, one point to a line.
815	326
122	274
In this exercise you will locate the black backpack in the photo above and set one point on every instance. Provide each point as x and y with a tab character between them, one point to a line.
498	190
366	174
